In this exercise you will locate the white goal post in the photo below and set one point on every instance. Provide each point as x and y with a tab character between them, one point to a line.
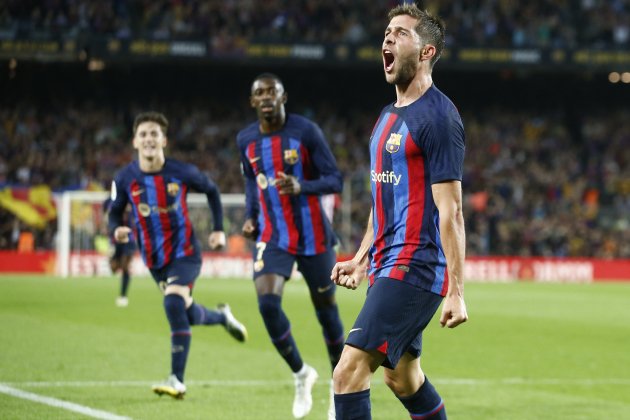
80	213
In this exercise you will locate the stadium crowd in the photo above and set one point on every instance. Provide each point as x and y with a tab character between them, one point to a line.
534	185
498	23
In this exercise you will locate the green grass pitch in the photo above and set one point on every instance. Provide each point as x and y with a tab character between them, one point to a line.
529	351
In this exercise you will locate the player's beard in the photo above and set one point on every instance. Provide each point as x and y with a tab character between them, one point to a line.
406	72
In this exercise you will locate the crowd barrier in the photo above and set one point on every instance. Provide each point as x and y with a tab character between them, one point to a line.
477	269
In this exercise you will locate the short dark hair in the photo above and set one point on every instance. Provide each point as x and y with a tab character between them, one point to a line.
267	75
151	116
430	28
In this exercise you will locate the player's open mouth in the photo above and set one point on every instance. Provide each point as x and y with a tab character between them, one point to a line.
266	108
388	60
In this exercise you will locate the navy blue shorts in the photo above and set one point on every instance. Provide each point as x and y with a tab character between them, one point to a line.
392	319
316	269
182	271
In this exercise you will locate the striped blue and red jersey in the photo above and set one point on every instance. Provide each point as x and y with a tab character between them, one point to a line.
411	148
294	223
159	208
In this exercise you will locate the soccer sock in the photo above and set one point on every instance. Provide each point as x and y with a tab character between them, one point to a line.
200	315
426	404
328	317
124	283
353	406
279	330
175	308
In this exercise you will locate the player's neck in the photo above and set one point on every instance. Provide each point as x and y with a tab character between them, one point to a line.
407	94
150	165
275	124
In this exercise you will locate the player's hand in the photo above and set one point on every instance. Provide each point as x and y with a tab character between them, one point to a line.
121	234
216	240
453	311
250	230
288	184
348	274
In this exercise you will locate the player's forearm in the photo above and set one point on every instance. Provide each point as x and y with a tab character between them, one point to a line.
251	199
453	236
214	202
114	220
329	184
361	256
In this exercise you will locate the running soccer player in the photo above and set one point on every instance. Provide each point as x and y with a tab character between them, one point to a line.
121	260
415	236
156	188
287	166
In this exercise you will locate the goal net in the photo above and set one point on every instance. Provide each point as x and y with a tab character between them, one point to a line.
84	248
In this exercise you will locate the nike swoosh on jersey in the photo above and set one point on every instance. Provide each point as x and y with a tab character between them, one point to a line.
324	289
171	279
254	159
136	192
355	329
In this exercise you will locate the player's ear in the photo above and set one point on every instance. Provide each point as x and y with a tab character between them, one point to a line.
285	98
251	102
427	52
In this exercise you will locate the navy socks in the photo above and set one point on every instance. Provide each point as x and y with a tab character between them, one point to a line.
332	328
353	406
175	309
124	283
200	315
279	330
425	404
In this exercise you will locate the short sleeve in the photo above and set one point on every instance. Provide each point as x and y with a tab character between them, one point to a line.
446	146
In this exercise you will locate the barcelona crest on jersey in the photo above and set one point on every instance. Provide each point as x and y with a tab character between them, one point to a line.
393	143
172	188
291	156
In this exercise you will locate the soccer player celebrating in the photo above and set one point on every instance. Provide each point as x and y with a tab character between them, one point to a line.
415	234
120	260
287	166
156	188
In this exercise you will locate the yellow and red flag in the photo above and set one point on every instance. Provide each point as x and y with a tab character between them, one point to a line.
33	205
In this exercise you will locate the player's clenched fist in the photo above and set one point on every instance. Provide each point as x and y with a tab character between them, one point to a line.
216	240
121	234
453	311
250	231
348	274
288	184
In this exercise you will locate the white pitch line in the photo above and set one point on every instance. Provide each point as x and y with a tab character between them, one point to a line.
54	402
254	383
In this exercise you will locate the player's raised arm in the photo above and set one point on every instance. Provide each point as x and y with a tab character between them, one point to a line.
327	178
448	199
116	227
252	204
203	184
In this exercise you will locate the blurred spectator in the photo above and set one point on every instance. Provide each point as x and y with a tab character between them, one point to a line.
531	188
541	23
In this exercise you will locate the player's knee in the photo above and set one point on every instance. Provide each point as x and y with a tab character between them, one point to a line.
404	382
181	291
321	301
348	376
269	306
396	385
